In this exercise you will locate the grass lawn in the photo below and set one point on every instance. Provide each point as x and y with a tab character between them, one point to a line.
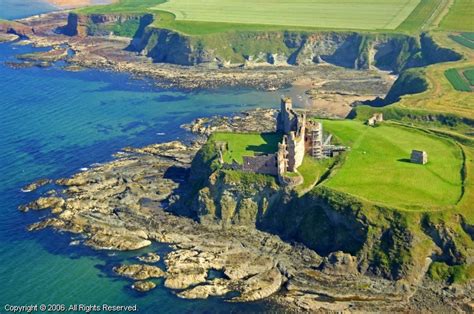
459	17
377	167
342	14
247	144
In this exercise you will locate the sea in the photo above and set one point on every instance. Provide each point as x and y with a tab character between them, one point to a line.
54	123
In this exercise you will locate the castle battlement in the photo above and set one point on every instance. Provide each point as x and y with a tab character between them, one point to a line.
300	137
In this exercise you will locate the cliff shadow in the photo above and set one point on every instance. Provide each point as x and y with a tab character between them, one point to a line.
138	41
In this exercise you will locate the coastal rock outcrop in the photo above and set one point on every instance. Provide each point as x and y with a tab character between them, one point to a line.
150	258
340	263
139	271
143	286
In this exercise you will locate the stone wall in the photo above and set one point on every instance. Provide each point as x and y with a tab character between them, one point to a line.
265	164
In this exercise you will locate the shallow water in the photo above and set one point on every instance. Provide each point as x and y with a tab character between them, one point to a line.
52	124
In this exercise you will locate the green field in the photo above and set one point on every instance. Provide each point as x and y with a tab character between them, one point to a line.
463	40
458	82
377	167
247	144
337	14
123	6
460	17
421	16
469	75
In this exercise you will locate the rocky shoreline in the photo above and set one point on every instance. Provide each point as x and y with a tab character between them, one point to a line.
122	205
113	53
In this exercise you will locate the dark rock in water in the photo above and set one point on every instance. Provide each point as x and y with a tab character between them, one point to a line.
143	286
8	37
150	258
139	271
35	185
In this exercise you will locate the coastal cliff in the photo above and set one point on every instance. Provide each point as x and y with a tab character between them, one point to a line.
383	241
393	52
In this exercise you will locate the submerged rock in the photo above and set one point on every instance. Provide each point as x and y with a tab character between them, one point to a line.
150	258
35	185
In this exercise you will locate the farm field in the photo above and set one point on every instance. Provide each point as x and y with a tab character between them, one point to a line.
243	144
459	17
377	167
337	14
422	17
123	6
469	75
465	39
458	82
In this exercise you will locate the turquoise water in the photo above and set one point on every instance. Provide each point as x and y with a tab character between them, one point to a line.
15	9
52	123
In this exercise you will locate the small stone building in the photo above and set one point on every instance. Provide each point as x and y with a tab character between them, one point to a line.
376	118
419	157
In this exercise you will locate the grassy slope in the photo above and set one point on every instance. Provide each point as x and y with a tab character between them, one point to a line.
377	167
311	170
247	144
441	97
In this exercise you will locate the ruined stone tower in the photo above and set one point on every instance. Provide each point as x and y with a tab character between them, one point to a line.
287	118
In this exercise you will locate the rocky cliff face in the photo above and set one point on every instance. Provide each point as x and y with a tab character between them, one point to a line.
104	24
392	52
352	50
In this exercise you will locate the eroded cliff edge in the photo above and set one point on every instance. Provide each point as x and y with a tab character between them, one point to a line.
394	52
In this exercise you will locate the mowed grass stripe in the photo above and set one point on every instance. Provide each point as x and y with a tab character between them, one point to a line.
457	81
349	14
469	75
377	167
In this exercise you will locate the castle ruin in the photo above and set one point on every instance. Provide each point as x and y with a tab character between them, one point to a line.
300	138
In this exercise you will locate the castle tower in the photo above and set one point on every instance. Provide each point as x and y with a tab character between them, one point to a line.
282	161
285	120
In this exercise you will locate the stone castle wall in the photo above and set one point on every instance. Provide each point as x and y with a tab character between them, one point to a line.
265	164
